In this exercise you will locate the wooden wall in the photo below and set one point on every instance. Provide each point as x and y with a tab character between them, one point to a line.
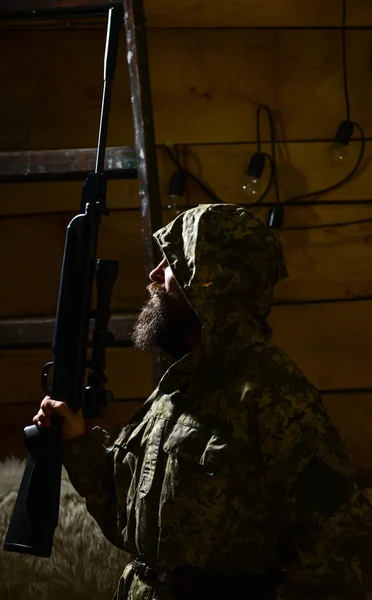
209	71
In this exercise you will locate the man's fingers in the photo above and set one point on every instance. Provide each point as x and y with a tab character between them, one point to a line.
72	422
41	419
50	406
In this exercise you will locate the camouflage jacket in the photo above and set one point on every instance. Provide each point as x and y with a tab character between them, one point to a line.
232	463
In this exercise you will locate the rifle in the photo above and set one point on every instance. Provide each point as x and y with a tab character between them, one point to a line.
35	515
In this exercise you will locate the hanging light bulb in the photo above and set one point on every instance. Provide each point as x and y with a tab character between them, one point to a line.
176	198
251	186
339	148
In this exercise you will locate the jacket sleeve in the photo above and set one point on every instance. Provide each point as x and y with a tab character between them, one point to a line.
99	474
326	517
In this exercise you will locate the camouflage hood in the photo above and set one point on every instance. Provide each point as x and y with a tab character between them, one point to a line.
226	262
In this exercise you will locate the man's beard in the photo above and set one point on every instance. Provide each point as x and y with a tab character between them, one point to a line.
165	322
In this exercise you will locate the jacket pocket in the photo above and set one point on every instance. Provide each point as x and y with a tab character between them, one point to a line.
196	484
195	499
128	436
200	449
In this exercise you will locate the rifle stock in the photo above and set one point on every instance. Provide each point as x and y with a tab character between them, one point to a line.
35	515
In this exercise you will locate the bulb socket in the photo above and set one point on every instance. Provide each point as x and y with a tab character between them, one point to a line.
344	133
178	183
276	216
256	165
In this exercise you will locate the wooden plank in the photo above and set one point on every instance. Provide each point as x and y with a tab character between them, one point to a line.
323	263
297	73
244	13
65	164
36	260
47	57
32	6
359	13
18	333
319	326
326	263
129	374
351	415
301	168
253	13
329	342
13	419
226	74
49	197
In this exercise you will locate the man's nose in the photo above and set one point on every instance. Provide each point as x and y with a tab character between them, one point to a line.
157	275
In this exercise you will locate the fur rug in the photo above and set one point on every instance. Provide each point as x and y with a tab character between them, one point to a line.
83	565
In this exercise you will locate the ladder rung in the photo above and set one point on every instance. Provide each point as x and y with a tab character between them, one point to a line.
62	165
38	332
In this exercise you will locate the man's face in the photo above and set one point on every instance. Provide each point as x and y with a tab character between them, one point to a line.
166	320
163	275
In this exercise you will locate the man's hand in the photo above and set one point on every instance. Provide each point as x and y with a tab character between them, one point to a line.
72	423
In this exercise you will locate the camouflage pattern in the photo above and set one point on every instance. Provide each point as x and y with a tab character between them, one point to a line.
232	463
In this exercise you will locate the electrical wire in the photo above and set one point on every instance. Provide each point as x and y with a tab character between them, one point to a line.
333	187
359	160
344	180
173	153
344	62
347	115
272	159
326	225
273	180
269	184
253	142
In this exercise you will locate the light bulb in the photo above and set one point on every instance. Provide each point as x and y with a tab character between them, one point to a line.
338	152
176	196
174	203
276	216
252	188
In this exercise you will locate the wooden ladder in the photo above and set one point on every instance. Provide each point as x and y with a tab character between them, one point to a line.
120	162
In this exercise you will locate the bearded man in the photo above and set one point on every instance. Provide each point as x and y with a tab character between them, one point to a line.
230	482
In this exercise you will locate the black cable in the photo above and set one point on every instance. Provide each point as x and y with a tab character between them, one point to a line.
213	196
259	27
252	142
344	224
258	132
344	62
361	153
267	189
332	187
343	136
347	109
273	149
339	183
177	155
174	156
276	214
272	159
271	128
